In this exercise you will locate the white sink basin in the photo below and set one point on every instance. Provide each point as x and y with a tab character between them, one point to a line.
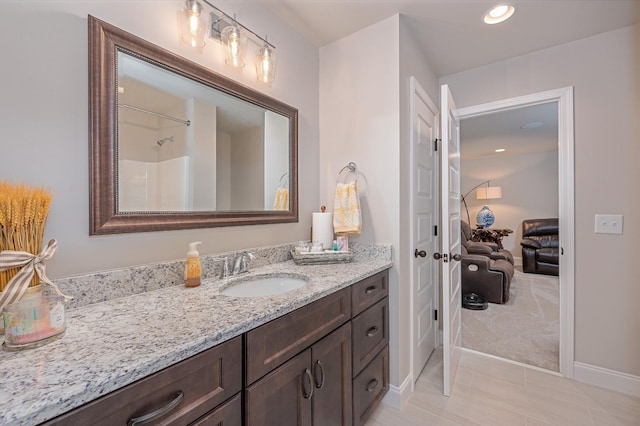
264	286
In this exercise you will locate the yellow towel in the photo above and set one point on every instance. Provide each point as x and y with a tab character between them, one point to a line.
347	217
281	202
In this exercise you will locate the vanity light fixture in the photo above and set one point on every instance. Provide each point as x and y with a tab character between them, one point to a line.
498	14
193	28
265	62
235	45
232	34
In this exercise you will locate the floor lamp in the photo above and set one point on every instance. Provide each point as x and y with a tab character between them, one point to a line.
488	193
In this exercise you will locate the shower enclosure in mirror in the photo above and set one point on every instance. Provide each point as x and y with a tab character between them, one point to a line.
176	146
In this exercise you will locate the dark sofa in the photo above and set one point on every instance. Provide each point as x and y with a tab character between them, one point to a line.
541	246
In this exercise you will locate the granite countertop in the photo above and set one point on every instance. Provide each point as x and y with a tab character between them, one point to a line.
110	344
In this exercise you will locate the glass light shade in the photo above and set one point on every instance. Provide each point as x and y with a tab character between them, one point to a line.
265	61
193	25
489	193
235	44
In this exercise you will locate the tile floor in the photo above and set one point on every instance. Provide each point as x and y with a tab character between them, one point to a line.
489	391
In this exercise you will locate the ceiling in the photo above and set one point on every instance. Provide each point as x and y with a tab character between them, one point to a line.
451	32
481	136
454	39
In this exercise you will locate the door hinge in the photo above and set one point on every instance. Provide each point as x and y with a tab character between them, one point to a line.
435	144
435	315
435	230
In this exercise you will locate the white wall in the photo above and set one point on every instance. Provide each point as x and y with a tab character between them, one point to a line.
529	190
359	122
45	127
605	71
364	108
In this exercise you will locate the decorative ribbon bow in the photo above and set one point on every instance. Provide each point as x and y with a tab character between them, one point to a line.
30	264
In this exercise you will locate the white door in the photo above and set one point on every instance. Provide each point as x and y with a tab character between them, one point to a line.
424	190
450	237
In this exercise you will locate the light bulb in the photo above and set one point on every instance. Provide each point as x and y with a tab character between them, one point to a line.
192	24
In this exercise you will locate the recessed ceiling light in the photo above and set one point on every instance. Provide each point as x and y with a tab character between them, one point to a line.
499	14
500	150
532	125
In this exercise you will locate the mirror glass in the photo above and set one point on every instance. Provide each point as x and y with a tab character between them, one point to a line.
185	146
175	145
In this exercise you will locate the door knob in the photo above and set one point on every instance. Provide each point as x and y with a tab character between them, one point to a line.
456	257
420	253
437	256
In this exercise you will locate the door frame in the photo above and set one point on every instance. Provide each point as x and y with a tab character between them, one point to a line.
566	185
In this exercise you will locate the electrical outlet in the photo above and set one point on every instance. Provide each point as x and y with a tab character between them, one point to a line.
608	224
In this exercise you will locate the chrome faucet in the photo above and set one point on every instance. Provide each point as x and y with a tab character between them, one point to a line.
240	263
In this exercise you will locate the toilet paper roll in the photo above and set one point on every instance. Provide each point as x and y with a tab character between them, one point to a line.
323	229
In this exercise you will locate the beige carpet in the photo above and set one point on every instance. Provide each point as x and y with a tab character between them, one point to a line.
526	329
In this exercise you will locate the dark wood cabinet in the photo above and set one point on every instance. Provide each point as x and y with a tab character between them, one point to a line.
177	395
370	386
370	340
324	364
338	376
313	388
370	334
273	343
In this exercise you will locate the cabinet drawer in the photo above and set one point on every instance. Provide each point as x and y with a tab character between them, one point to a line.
370	386
272	344
228	414
204	380
368	291
370	334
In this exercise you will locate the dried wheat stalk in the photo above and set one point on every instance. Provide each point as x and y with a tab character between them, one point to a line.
23	213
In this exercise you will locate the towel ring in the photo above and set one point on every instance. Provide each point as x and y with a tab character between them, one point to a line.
351	168
280	182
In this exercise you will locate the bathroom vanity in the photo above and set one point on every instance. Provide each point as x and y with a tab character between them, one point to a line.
317	355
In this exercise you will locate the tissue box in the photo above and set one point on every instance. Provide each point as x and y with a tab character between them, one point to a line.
33	322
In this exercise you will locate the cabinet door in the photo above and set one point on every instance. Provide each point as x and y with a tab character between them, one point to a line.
331	369
282	397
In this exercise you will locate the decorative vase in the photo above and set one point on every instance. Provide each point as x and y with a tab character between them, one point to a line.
485	217
34	291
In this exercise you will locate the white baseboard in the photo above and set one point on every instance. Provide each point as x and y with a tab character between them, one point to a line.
608	379
398	395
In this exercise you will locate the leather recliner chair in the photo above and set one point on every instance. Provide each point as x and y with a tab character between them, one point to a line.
541	246
495	253
485	271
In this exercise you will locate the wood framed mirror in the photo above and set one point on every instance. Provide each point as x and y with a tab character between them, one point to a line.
174	145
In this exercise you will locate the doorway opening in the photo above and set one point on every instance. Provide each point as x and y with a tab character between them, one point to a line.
563	99
512	157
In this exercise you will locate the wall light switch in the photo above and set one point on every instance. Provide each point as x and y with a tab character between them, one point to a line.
608	224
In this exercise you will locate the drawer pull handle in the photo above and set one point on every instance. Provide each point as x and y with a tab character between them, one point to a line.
320	383
148	418
372	331
305	394
371	289
373	383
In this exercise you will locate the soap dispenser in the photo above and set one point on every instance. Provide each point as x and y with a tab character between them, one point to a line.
192	268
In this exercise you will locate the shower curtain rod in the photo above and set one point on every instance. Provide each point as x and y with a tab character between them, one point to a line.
168	117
